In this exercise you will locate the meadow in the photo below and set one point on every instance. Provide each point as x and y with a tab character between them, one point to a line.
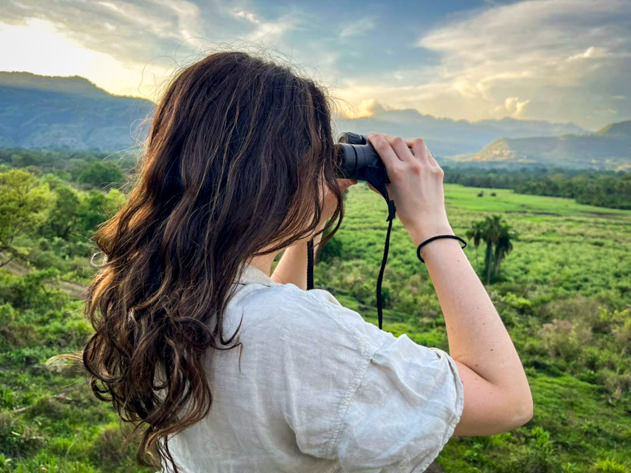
564	296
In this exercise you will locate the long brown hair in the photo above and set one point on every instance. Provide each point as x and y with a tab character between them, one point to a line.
235	159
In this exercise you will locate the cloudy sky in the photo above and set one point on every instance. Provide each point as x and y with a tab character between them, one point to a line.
556	60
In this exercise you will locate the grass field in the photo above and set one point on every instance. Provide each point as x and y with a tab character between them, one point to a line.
564	297
570	270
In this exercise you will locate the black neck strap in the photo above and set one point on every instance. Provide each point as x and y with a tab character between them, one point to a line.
310	264
391	215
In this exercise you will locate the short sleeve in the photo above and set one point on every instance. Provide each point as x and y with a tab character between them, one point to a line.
357	394
404	411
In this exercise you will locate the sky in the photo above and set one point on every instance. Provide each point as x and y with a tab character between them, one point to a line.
555	60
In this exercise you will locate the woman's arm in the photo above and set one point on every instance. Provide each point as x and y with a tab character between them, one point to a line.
292	267
497	396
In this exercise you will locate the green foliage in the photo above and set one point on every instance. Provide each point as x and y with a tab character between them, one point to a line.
88	168
542	457
101	175
564	296
333	249
28	291
603	188
22	202
609	466
63	214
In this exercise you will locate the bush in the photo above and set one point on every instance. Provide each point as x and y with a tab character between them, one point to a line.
565	339
609	466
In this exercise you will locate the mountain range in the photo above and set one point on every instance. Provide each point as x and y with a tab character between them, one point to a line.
67	112
608	148
73	113
447	137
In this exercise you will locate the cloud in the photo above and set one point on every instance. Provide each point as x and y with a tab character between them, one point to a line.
514	106
139	26
560	60
558	57
266	31
358	27
41	44
152	37
366	108
589	53
556	60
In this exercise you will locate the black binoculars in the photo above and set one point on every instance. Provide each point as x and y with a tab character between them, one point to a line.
359	160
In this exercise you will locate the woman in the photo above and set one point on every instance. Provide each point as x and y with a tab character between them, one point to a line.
240	165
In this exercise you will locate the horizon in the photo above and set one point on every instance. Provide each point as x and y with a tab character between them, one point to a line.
549	60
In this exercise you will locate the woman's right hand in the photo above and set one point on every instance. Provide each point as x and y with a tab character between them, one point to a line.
416	185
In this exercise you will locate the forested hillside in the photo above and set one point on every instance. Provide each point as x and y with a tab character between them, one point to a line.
608	148
105	170
68	113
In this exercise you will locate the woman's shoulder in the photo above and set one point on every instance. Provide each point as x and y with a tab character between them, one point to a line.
313	312
285	298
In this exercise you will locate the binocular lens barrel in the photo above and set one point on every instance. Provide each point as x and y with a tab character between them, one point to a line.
359	159
356	159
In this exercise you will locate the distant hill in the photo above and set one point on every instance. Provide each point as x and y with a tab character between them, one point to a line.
71	112
66	112
447	137
608	148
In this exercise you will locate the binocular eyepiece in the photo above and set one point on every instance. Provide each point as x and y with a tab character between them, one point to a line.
359	160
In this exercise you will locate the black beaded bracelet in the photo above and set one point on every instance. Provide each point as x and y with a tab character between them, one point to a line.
418	250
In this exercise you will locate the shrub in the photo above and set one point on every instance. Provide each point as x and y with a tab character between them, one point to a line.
609	466
564	338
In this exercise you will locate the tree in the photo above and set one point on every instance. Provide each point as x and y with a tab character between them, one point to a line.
23	201
101	174
62	216
498	236
95	207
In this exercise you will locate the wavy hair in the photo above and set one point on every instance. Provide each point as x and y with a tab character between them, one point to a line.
233	167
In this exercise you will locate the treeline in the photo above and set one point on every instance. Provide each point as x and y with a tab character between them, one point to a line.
86	169
99	170
602	188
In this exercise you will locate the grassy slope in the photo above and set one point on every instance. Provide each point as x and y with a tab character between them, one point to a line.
49	421
564	250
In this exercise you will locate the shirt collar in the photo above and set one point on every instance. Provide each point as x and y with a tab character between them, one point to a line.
252	274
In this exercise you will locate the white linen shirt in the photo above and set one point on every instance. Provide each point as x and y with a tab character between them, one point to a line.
318	389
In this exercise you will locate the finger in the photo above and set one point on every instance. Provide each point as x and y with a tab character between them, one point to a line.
420	150
432	160
383	147
401	148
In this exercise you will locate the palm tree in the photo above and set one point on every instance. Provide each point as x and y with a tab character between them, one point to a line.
498	235
503	246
